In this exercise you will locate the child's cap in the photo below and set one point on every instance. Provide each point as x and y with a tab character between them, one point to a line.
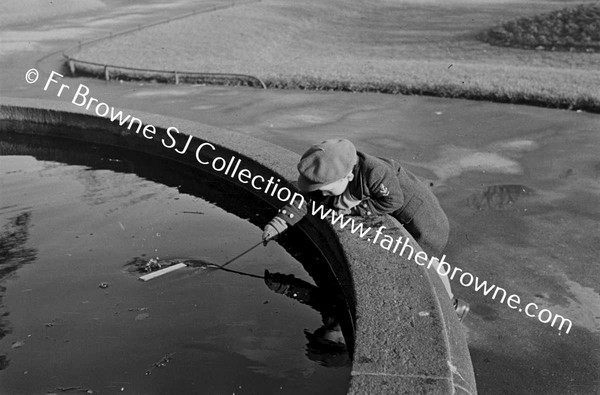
324	163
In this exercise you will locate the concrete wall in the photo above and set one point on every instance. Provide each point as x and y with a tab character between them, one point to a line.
407	338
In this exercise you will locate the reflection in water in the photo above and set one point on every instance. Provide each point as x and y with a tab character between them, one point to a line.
497	197
187	180
326	345
13	255
260	342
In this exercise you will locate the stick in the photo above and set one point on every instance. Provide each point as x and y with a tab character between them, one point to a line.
160	272
239	256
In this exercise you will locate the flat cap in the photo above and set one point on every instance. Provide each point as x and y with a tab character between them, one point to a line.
324	163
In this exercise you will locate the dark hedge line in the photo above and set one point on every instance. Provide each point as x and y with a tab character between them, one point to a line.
568	29
588	104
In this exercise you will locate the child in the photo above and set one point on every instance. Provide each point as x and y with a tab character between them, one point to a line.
360	184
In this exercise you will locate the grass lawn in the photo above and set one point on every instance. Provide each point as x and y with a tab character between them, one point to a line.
414	47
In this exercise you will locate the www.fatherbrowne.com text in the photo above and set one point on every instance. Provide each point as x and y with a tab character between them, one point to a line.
465	278
231	168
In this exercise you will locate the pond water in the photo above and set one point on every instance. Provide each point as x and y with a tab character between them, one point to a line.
76	218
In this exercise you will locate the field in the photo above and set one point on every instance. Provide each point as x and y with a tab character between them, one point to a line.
412	47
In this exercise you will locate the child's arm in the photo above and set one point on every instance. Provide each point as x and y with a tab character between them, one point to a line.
287	216
345	202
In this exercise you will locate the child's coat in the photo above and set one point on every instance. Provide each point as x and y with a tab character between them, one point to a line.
384	187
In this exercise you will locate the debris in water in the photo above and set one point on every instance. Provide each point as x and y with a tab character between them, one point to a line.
4	362
162	363
138	309
73	389
568	173
152	265
103	285
160	272
155	267
142	316
18	344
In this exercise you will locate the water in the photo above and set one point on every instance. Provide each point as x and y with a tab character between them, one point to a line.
77	226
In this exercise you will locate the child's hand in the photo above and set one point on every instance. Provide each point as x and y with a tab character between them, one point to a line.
272	229
276	282
268	233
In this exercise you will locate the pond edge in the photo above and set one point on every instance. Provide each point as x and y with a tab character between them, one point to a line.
396	349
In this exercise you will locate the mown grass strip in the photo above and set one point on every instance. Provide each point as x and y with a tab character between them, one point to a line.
570	89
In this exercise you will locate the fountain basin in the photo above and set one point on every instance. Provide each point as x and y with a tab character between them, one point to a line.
392	351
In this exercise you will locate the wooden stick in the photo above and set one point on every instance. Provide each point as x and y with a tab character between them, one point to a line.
242	254
160	272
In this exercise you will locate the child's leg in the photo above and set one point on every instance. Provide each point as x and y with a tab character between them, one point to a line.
430	230
442	268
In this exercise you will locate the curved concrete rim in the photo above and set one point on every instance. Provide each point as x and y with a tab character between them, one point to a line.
407	338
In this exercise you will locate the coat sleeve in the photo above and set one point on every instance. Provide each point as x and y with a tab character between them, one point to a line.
386	195
292	213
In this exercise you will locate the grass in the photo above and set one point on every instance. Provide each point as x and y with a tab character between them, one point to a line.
411	47
567	29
